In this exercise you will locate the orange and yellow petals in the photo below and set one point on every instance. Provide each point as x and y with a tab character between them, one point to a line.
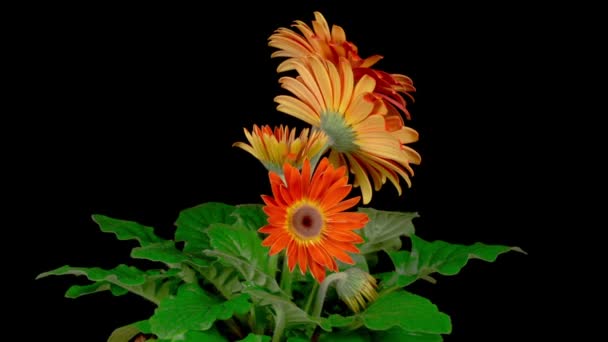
275	147
369	61
302	92
411	155
361	179
406	135
289	44
298	109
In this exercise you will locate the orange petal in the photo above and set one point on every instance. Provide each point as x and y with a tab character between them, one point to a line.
305	177
344	236
320	255
317	271
280	243
344	205
334	195
302	257
339	254
292	255
271	239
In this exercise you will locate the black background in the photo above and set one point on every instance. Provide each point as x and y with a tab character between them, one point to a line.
131	111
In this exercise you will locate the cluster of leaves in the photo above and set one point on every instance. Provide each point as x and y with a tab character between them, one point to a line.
218	282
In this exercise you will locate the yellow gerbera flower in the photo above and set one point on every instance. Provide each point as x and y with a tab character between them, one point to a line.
306	216
327	96
332	45
279	146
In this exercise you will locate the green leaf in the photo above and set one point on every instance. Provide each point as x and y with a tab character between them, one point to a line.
242	249
76	291
144	326
384	228
408	311
339	321
403	275
120	275
360	262
148	285
193	309
250	216
192	224
211	335
127	230
224	278
398	334
292	314
124	334
163	252
441	257
345	336
255	338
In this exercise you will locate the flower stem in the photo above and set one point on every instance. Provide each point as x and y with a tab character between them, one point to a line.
316	311
311	296
286	277
279	326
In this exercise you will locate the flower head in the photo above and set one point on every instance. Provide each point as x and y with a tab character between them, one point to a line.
355	120
279	146
332	45
307	218
357	289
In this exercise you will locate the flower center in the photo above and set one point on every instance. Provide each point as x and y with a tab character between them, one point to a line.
341	134
307	222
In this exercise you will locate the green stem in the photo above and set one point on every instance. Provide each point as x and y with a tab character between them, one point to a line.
279	326
316	311
234	327
317	157
311	296
429	279
286	277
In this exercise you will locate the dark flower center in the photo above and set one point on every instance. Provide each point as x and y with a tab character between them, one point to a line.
307	221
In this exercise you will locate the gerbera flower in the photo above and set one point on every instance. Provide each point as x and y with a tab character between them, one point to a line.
279	146
332	45
307	218
327	96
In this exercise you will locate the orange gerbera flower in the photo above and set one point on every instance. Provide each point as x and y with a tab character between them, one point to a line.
306	217
354	118
332	45
279	146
